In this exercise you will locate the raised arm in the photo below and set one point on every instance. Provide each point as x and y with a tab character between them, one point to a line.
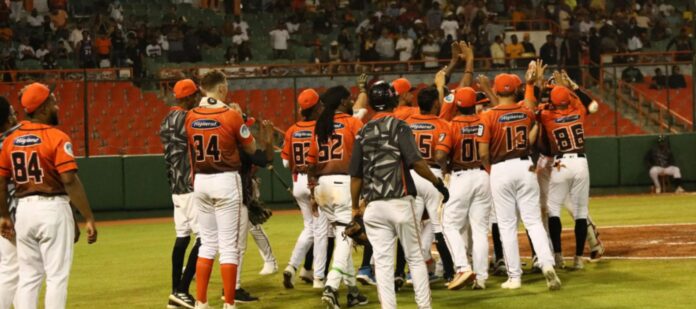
467	53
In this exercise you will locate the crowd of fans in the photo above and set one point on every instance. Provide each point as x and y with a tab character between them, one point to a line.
392	31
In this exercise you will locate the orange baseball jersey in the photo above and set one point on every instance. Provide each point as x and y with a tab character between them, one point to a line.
403	112
334	157
214	135
461	144
34	156
564	129
428	130
298	140
506	129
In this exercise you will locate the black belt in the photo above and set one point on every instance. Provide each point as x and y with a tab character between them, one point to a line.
579	155
468	169
525	158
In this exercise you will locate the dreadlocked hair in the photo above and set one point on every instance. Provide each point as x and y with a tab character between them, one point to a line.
306	113
330	99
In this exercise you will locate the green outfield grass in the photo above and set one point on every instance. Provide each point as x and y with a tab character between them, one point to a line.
129	268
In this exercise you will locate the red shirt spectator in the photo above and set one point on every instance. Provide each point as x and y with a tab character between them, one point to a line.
103	45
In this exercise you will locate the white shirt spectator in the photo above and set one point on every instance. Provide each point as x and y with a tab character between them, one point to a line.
666	8
41	52
635	44
430	52
585	26
238	39
363	26
163	42
643	21
243	26
450	27
25	51
279	39
498	53
292	27
385	48
75	37
406	44
35	21
116	11
153	50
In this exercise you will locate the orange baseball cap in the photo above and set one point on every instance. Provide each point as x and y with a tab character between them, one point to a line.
402	86
308	98
33	96
465	97
561	95
184	88
518	80
505	83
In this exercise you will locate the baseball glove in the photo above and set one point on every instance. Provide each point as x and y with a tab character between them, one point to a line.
258	213
356	230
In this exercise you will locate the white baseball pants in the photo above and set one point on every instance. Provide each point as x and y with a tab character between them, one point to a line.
428	198
656	171
260	238
570	178
185	215
333	197
469	206
514	187
219	202
387	221
9	273
314	232
45	237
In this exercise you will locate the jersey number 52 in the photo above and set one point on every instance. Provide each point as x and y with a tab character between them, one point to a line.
25	169
333	150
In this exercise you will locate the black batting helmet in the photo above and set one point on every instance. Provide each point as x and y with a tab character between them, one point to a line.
382	96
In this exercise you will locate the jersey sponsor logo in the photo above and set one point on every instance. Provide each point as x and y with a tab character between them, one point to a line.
566	119
205	124
471	129
302	134
338	125
244	131
512	117
27	140
422	126
68	148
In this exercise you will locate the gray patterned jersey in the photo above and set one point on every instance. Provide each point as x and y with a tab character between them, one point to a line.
176	156
384	151
10	187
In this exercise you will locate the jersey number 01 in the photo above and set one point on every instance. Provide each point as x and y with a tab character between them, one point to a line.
25	169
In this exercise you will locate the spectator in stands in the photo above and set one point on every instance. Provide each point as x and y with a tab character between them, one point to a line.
293	24
571	54
498	52
445	48
433	18
404	46
367	25
118	50
368	51
632	74
527	45
345	40
49	62
42	51
594	43
34	20
25	50
238	22
429	52
116	11
102	44
494	29
585	25
635	44
231	55
85	51
214	38
176	45
192	46
659	80
6	33
682	43
135	56
76	35
279	41
677	80
17	8
661	27
514	50
8	63
661	161
153	50
334	53
59	18
450	26
385	46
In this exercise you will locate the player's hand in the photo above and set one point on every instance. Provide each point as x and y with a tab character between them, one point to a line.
440	186
267	131
571	83
7	228
467	51
541	70
483	82
456	50
91	229
531	75
440	78
361	82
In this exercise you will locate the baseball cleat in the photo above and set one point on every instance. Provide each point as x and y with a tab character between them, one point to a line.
354	298
552	280
241	296
330	298
658	190
536	267
228	306
679	190
365	276
179	300
318	283
269	269
461	279
512	284
200	305
289	277
398	283
479	285
306	275
558	259
597	252
499	268
578	263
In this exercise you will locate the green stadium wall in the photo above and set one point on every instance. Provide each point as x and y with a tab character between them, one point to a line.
132	183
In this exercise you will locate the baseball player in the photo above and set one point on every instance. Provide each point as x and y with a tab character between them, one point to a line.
298	139
39	159
384	152
504	138
176	156
404	91
570	176
216	134
470	205
428	130
328	159
9	266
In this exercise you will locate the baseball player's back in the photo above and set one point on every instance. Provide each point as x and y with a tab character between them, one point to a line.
298	139
428	130
564	129
461	143
333	157
506	128
403	112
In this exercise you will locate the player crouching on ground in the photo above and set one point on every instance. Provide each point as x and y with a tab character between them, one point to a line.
176	156
383	154
39	159
471	202
216	134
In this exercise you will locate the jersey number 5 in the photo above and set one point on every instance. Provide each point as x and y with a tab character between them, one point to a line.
570	138
24	169
333	150
203	149
425	145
